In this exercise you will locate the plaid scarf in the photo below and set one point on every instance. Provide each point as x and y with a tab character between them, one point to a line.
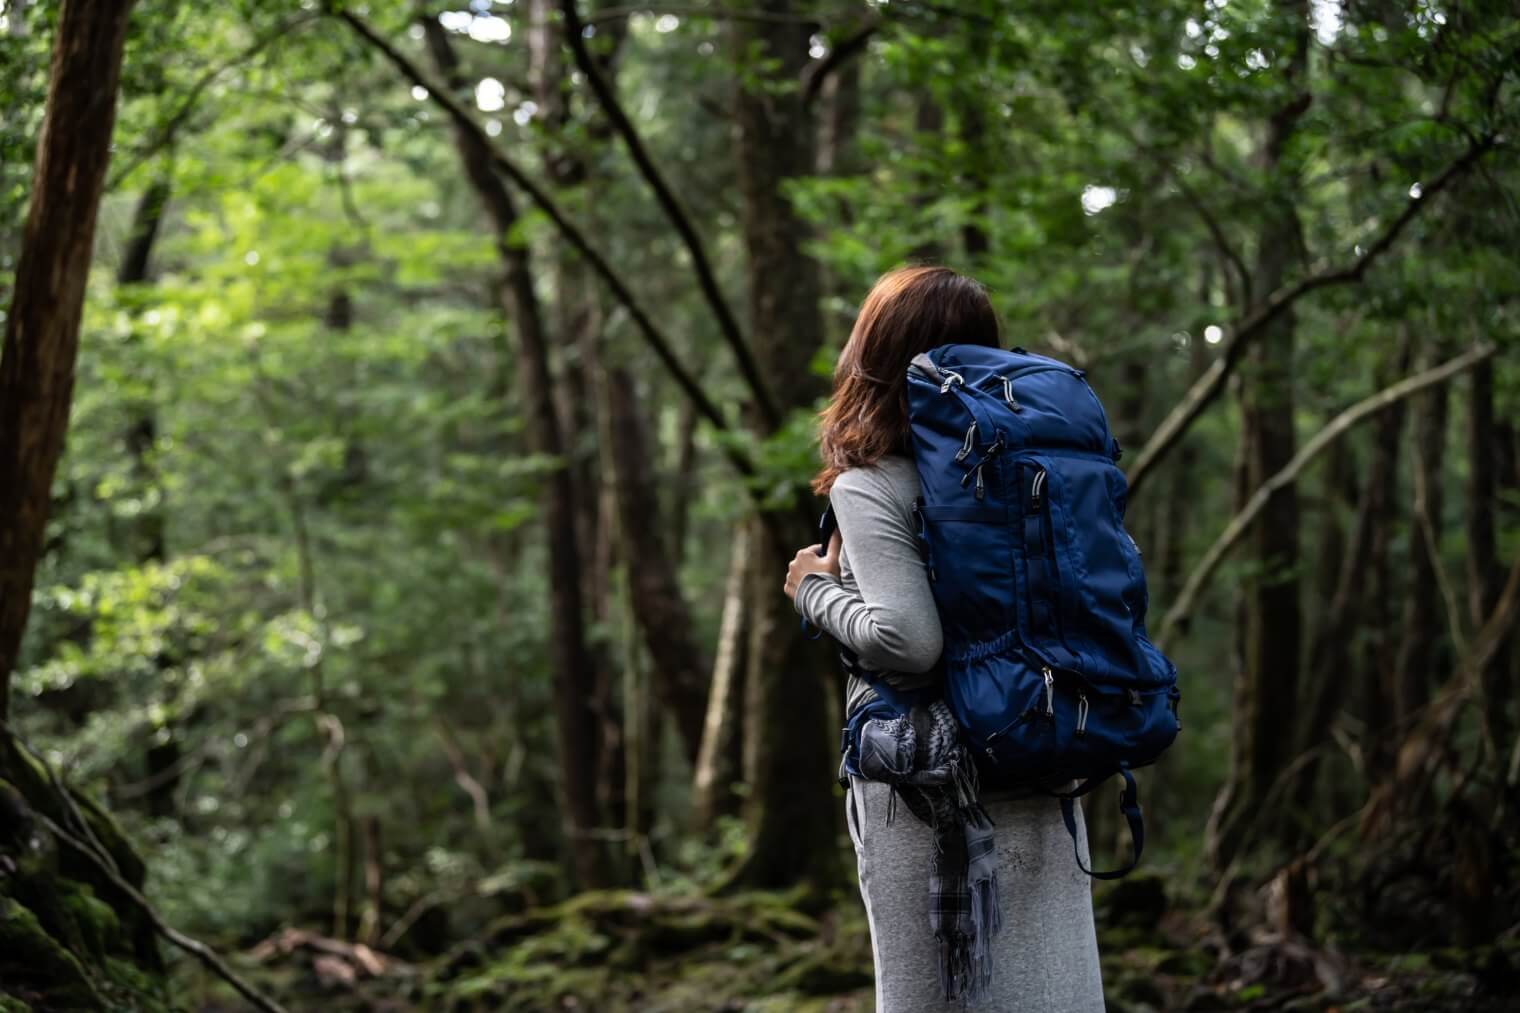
921	756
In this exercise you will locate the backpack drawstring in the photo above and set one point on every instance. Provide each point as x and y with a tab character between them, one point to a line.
989	454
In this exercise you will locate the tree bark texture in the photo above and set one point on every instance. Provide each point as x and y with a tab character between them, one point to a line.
42	324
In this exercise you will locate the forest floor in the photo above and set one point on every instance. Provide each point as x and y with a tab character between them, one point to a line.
618	952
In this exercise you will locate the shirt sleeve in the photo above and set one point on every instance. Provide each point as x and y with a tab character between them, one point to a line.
892	623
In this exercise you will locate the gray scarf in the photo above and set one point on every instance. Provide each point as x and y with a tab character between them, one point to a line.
920	755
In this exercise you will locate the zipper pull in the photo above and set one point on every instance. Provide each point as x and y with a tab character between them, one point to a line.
1082	713
1037	491
1050	692
960	455
1008	394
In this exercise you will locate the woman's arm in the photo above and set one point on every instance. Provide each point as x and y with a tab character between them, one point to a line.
892	623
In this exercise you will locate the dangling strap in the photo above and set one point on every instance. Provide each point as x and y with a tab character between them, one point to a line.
1129	805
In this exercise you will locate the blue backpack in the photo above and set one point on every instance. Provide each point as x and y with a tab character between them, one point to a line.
1041	593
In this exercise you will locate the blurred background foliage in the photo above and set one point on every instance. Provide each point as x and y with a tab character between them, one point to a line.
295	621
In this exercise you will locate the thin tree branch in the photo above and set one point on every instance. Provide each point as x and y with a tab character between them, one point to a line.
851	46
1432	545
727	324
572	235
166	133
467	782
1337	427
1242	274
1211	383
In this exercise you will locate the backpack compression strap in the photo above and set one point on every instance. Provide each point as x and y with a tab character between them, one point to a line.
1129	805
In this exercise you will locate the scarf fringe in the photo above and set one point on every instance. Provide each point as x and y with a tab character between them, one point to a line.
965	959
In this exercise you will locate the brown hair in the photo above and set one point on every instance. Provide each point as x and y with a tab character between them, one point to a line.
909	310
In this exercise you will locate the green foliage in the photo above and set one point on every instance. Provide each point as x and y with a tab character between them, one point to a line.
295	583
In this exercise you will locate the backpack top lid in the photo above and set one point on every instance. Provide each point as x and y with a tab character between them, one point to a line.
1049	401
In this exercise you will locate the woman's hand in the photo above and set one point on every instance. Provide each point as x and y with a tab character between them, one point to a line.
809	561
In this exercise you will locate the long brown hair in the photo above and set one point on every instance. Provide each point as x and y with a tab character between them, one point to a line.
909	310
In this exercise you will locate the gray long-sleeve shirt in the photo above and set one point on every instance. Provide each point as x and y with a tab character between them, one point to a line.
880	606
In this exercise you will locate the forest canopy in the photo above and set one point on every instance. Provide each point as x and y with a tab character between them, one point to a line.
408	412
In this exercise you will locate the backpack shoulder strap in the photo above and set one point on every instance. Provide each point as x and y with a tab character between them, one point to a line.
826	527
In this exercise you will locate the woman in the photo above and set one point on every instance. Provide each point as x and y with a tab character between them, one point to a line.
871	592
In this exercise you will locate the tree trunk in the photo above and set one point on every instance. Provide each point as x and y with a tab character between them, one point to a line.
719	762
143	534
42	324
1182	491
682	482
839	156
680	671
790	803
1422	624
1266	699
1264	714
928	119
1485	574
1379	647
1505	458
574	673
374	883
979	156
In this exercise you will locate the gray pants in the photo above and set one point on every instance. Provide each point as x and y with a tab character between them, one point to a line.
1046	956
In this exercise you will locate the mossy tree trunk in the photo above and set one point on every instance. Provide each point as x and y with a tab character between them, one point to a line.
69	939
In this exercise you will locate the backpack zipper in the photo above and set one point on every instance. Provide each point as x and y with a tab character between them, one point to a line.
1038	505
1049	676
1040	367
1010	726
960	455
1013	404
1022	718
